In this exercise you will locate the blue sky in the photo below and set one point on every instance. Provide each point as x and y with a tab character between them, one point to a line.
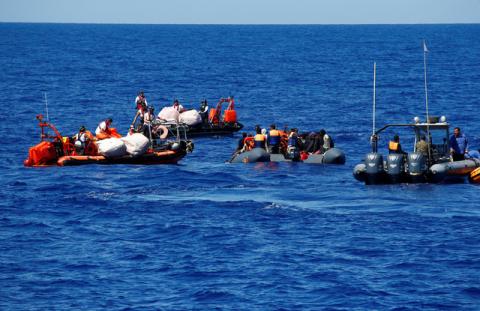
241	11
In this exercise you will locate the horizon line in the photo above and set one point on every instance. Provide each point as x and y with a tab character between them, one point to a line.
239	24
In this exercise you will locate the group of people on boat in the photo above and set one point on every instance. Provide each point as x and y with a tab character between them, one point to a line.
458	143
276	141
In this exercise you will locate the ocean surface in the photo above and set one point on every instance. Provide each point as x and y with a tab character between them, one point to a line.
203	234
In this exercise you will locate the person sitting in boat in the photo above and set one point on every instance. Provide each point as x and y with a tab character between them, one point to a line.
293	141
241	142
104	130
394	145
273	139
458	145
178	106
260	139
422	146
82	140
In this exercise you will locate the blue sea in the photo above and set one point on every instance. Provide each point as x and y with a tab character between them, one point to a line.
207	235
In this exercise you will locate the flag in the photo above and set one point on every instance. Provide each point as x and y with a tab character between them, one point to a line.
425	50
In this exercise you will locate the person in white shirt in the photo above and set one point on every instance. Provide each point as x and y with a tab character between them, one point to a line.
178	106
103	126
141	101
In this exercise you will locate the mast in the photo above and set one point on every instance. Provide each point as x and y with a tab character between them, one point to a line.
425	51
46	105
374	138
374	82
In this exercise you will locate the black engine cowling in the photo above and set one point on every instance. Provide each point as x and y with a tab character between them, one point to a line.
374	168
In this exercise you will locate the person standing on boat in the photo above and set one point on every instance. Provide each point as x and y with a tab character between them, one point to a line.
394	145
458	145
141	102
274	139
203	111
422	146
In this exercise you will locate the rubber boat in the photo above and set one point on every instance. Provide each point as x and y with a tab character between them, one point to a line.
331	156
286	154
415	167
55	149
214	124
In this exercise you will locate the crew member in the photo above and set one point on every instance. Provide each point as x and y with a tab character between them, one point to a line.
274	139
260	139
422	146
203	111
82	139
104	131
458	145
178	106
141	102
394	145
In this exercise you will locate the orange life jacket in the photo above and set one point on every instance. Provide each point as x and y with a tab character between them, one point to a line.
393	146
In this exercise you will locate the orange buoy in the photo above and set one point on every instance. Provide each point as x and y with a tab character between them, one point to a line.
475	176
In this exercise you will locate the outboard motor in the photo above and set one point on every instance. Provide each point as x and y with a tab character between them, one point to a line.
374	168
417	167
395	168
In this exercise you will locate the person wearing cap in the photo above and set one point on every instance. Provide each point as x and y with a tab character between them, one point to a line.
394	145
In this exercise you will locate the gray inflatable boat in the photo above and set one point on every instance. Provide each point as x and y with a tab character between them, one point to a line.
331	156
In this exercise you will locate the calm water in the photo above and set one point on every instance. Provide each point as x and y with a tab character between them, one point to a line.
204	234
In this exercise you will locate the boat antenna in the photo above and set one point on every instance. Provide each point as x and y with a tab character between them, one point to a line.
425	51
46	104
373	138
374	90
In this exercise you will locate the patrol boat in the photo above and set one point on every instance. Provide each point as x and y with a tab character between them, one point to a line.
435	165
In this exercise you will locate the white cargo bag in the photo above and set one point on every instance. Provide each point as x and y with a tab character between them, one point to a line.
137	144
169	114
112	147
190	117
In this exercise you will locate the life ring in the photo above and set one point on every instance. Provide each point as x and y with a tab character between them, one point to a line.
163	129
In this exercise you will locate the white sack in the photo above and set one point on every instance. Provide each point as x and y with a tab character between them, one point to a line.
169	114
112	147
136	144
190	117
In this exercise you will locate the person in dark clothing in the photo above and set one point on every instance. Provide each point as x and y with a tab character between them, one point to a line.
241	141
458	145
394	145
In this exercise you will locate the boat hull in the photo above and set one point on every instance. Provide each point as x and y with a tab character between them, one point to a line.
160	157
331	156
